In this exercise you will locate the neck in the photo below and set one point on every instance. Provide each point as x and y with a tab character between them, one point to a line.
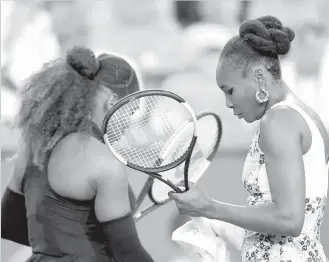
98	121
98	115
283	93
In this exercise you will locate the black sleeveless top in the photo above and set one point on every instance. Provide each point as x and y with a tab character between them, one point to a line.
61	229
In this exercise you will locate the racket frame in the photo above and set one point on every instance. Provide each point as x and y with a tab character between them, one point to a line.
146	188
209	158
135	96
138	215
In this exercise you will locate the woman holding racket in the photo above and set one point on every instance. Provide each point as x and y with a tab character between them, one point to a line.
285	171
67	189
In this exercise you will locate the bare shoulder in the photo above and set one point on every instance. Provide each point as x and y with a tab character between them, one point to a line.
281	129
76	165
287	121
101	157
281	119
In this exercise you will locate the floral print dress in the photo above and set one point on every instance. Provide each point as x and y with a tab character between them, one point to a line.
275	248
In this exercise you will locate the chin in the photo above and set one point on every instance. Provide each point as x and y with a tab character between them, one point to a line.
249	121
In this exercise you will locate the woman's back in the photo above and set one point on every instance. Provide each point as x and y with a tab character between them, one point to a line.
58	226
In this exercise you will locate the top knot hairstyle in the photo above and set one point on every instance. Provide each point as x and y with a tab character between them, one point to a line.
264	38
267	35
59	99
83	61
111	71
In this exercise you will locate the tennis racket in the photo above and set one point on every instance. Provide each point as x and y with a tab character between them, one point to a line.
152	131
209	128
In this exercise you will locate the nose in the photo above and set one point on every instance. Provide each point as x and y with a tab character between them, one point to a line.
228	103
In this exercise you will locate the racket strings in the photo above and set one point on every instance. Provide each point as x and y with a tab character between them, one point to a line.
208	136
181	145
140	130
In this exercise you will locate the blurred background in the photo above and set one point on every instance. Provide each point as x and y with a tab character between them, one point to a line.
175	46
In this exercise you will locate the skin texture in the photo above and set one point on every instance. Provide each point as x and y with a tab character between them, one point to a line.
284	138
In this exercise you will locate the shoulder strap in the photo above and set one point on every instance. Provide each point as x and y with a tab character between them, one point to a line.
315	118
321	127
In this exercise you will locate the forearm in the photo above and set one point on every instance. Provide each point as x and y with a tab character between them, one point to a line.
261	218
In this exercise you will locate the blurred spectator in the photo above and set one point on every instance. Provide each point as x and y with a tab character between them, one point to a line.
144	30
306	62
202	44
188	12
70	22
244	8
28	40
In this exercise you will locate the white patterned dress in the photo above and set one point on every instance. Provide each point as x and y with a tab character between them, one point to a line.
274	248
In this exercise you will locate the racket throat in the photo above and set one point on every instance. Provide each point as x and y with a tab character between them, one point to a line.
166	181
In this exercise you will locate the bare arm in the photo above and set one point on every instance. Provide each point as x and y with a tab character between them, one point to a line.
112	208
112	199
281	144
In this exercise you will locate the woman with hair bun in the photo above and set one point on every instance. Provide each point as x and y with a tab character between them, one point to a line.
67	190
285	172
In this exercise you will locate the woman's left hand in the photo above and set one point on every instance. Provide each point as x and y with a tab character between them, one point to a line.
192	202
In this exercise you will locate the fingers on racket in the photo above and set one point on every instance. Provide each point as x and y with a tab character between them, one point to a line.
149	130
209	128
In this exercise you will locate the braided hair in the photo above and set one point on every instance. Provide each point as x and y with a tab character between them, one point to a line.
260	40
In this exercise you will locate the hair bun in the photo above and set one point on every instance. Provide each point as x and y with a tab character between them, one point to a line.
267	35
83	61
290	33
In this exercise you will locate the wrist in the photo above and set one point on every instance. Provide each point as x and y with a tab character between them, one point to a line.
208	210
216	210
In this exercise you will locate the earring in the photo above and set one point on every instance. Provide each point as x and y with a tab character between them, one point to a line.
262	95
112	100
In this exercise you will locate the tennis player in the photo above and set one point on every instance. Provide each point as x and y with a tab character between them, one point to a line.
67	190
285	170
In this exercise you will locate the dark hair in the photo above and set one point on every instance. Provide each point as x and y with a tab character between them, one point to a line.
262	39
111	71
59	99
